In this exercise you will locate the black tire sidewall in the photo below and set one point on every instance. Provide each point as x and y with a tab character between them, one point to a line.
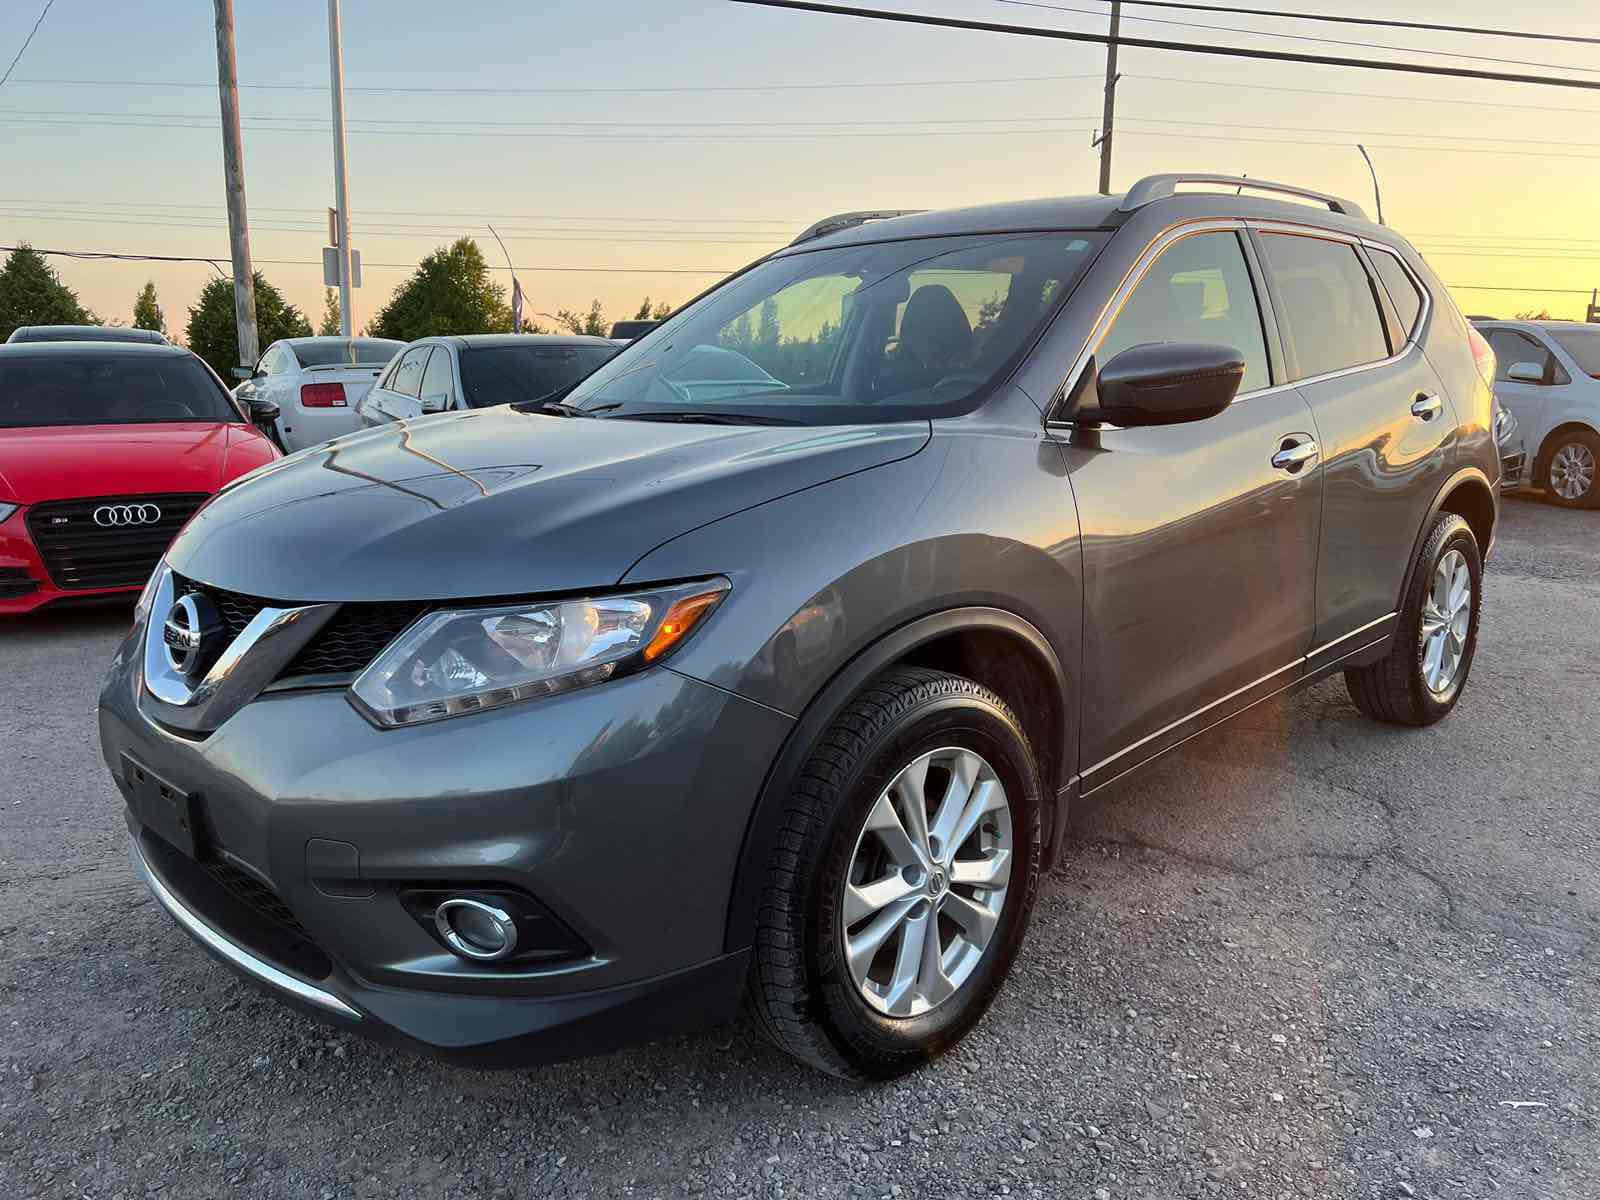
870	1037
1452	533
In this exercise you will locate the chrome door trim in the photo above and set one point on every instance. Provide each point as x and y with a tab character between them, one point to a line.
1342	638
229	951
1205	708
252	661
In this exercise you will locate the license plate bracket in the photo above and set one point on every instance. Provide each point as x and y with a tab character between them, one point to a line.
162	807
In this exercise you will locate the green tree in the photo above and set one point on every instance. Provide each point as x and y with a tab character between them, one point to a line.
32	294
659	312
147	312
214	336
593	322
331	315
450	292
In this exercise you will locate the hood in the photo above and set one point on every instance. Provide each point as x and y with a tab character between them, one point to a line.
61	462
502	503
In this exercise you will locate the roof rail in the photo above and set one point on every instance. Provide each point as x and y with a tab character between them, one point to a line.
1159	187
850	220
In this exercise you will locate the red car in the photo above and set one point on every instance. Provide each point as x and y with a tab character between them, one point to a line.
106	449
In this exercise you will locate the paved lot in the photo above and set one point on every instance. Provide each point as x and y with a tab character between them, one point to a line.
1307	957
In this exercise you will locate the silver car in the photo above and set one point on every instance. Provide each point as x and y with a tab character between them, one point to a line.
306	388
458	372
1547	375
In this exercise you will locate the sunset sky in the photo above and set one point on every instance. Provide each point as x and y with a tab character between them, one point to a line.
646	147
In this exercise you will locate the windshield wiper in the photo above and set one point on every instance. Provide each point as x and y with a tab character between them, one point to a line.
709	418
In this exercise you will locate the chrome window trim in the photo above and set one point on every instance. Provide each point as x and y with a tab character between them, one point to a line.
196	927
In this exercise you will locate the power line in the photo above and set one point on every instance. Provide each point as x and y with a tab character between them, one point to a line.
1387	23
295	262
1301	37
26	42
1488	150
1267	87
1099	39
568	91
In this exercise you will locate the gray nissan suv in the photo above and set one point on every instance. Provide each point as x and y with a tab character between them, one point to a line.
763	665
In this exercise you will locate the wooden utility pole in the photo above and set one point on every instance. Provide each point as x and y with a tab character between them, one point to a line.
244	286
1107	118
347	320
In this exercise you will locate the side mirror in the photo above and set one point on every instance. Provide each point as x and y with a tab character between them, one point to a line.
242	373
262	409
1163	383
1525	372
436	403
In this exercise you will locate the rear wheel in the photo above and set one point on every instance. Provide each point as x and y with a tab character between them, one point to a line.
1421	678
1569	469
903	879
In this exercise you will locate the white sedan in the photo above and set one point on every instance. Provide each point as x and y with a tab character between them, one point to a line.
315	383
442	374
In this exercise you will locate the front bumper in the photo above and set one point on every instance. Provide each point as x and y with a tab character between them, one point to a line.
1513	468
621	808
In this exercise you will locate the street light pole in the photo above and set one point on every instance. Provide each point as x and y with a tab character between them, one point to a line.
1376	195
347	321
244	284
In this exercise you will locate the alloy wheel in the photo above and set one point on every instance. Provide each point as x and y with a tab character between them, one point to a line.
927	882
1572	471
1446	620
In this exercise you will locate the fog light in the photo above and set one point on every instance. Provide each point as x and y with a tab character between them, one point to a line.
476	930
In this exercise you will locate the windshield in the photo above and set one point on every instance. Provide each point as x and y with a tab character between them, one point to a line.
109	389
369	351
884	332
1584	346
504	374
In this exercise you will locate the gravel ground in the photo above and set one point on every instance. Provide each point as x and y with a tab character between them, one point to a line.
1308	956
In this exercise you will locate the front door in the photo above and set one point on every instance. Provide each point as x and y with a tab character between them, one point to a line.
1199	540
1527	400
1382	418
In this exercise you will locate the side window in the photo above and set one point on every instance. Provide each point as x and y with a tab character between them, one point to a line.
272	362
1402	289
407	376
436	378
1328	312
1198	290
1511	347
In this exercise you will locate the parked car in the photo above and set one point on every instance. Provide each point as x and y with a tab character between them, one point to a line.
1547	376
84	333
106	449
453	374
315	384
626	331
592	719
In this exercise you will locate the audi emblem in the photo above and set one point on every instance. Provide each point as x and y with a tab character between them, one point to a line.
113	515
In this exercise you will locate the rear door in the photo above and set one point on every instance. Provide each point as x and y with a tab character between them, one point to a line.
1384	423
438	390
1199	540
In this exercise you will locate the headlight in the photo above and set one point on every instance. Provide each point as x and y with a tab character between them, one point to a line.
141	607
6	510
468	659
1505	426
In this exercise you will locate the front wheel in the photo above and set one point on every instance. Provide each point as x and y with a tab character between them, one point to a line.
903	878
1421	678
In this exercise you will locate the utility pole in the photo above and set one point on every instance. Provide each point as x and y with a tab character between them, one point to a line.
1104	140
347	320
244	284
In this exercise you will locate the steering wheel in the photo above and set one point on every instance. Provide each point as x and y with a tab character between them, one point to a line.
966	378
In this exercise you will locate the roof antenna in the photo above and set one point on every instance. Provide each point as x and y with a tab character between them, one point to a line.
1376	195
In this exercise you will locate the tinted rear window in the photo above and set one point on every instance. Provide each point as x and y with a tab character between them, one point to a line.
1325	303
1584	346
362	351
108	389
503	374
1402	290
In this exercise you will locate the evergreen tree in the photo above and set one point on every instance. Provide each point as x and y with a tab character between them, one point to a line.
32	294
331	315
147	312
213	334
450	292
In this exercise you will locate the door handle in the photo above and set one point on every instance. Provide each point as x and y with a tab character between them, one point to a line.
1426	406
1295	454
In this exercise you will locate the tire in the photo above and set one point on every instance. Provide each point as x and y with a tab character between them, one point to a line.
802	992
1407	687
1569	469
